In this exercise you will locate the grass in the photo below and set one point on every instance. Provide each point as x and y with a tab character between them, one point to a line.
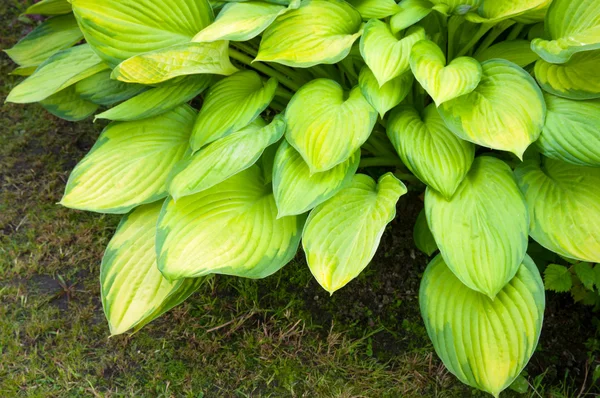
278	337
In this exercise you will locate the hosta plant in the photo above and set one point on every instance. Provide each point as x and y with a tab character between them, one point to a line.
241	130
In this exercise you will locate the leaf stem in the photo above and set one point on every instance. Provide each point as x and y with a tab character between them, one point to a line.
263	68
515	31
483	29
493	35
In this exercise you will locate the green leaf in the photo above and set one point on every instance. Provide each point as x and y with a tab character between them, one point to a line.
61	70
520	385
493	115
230	105
49	7
571	131
573	26
325	125
482	230
410	12
494	11
387	56
119	30
557	278
459	7
564	205
443	83
67	104
297	191
180	60
102	90
485	343
224	158
318	32
597	276
241	21
159	100
133	290
429	150
52	36
576	79
422	235
231	229
387	96
375	8
516	51
585	273
130	163
342	235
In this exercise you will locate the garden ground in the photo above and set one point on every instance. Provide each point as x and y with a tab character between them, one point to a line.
282	336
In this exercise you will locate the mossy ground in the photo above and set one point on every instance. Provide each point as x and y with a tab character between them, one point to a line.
283	336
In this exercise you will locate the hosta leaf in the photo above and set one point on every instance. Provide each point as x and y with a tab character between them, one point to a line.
410	12
573	26
102	90
325	125
375	8
506	111
482	230
184	59
297	190
443	83
130	163
224	158
564	206
534	15
459	7
576	79
424	240
231	229
119	30
387	96
53	35
23	71
431	152
50	7
159	100
493	11
67	104
571	131
241	21
387	56
485	343
557	278
342	235
516	51
318	32
230	105
133	290
61	70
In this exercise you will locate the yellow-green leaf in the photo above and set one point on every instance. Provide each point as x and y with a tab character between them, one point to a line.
576	79
459	7
180	60
485	343
67	104
50	7
430	151
342	235
297	191
133	290
230	105
325	125
224	158
564	206
573	26
130	163
387	56
506	111
494	11
387	96
422	235
159	99
52	36
375	8
119	30
58	72
102	90
409	13
443	83
231	229
571	132
482	231
516	51
318	32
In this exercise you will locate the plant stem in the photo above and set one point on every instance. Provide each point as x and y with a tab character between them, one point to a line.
516	30
480	32
493	35
248	61
380	162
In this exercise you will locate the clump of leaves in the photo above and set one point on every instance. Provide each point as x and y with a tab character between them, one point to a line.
493	104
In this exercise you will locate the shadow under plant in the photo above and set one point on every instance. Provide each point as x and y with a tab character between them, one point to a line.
282	336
